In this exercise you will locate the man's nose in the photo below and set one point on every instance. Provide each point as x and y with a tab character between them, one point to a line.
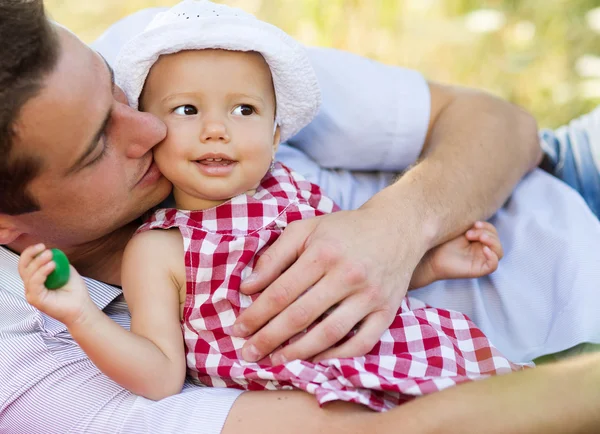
137	131
214	130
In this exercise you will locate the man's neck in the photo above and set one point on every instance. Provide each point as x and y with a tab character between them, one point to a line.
99	259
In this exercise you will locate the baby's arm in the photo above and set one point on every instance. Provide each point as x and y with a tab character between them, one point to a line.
153	369
152	274
473	254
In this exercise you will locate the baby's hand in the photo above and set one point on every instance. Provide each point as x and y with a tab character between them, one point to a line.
474	254
68	304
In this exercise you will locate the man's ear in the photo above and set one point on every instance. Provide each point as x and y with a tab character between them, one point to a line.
8	230
276	139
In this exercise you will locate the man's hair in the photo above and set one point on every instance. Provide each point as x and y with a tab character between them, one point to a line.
29	50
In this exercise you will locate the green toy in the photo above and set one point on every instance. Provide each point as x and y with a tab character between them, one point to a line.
60	276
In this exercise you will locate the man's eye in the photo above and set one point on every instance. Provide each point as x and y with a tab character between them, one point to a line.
186	110
102	153
244	110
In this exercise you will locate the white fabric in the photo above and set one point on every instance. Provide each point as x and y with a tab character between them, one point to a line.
197	25
374	116
545	295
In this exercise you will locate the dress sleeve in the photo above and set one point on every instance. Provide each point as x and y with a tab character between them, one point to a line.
373	117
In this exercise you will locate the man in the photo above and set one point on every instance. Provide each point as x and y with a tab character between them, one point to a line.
77	171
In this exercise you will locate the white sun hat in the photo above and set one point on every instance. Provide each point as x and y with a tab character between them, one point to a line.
196	25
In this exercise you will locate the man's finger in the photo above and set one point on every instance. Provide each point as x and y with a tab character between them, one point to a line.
276	259
369	333
298	316
284	291
326	334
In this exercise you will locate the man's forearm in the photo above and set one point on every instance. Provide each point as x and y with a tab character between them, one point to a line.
561	398
478	148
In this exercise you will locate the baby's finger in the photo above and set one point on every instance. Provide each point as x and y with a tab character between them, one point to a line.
492	241
492	259
39	276
486	238
39	261
476	234
35	288
485	225
27	256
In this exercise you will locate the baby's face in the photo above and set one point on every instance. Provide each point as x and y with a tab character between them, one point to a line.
219	108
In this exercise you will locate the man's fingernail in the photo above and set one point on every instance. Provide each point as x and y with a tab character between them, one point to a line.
240	331
279	359
251	354
251	279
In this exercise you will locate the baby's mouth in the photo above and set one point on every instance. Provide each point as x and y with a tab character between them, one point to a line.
215	162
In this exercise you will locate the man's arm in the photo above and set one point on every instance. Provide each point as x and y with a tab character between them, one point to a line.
477	148
561	398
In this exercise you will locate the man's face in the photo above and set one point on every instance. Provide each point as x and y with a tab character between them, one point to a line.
97	168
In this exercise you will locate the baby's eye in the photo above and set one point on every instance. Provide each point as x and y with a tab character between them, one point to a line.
186	110
244	110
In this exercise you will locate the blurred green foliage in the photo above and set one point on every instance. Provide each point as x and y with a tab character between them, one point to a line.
542	55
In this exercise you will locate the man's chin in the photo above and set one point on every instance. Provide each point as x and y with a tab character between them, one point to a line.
160	198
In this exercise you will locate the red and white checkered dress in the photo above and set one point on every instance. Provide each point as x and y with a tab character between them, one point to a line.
424	350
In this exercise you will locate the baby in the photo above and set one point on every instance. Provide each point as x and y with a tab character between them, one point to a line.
230	88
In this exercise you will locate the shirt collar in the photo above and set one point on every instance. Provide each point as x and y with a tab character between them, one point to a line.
100	293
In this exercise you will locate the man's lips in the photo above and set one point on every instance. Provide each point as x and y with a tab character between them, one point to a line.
150	176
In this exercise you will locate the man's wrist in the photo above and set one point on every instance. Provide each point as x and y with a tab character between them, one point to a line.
406	201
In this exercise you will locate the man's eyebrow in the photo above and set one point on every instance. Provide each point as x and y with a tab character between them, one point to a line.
110	70
101	131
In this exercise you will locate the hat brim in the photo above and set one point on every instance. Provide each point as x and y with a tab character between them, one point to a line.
296	86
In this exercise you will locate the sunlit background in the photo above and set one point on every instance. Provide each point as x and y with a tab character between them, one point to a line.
541	54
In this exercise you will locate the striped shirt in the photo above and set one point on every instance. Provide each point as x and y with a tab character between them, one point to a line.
48	385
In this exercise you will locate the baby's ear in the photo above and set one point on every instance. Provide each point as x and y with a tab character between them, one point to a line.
8	230
276	138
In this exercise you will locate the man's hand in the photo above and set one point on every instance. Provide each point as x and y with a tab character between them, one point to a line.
357	262
69	304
